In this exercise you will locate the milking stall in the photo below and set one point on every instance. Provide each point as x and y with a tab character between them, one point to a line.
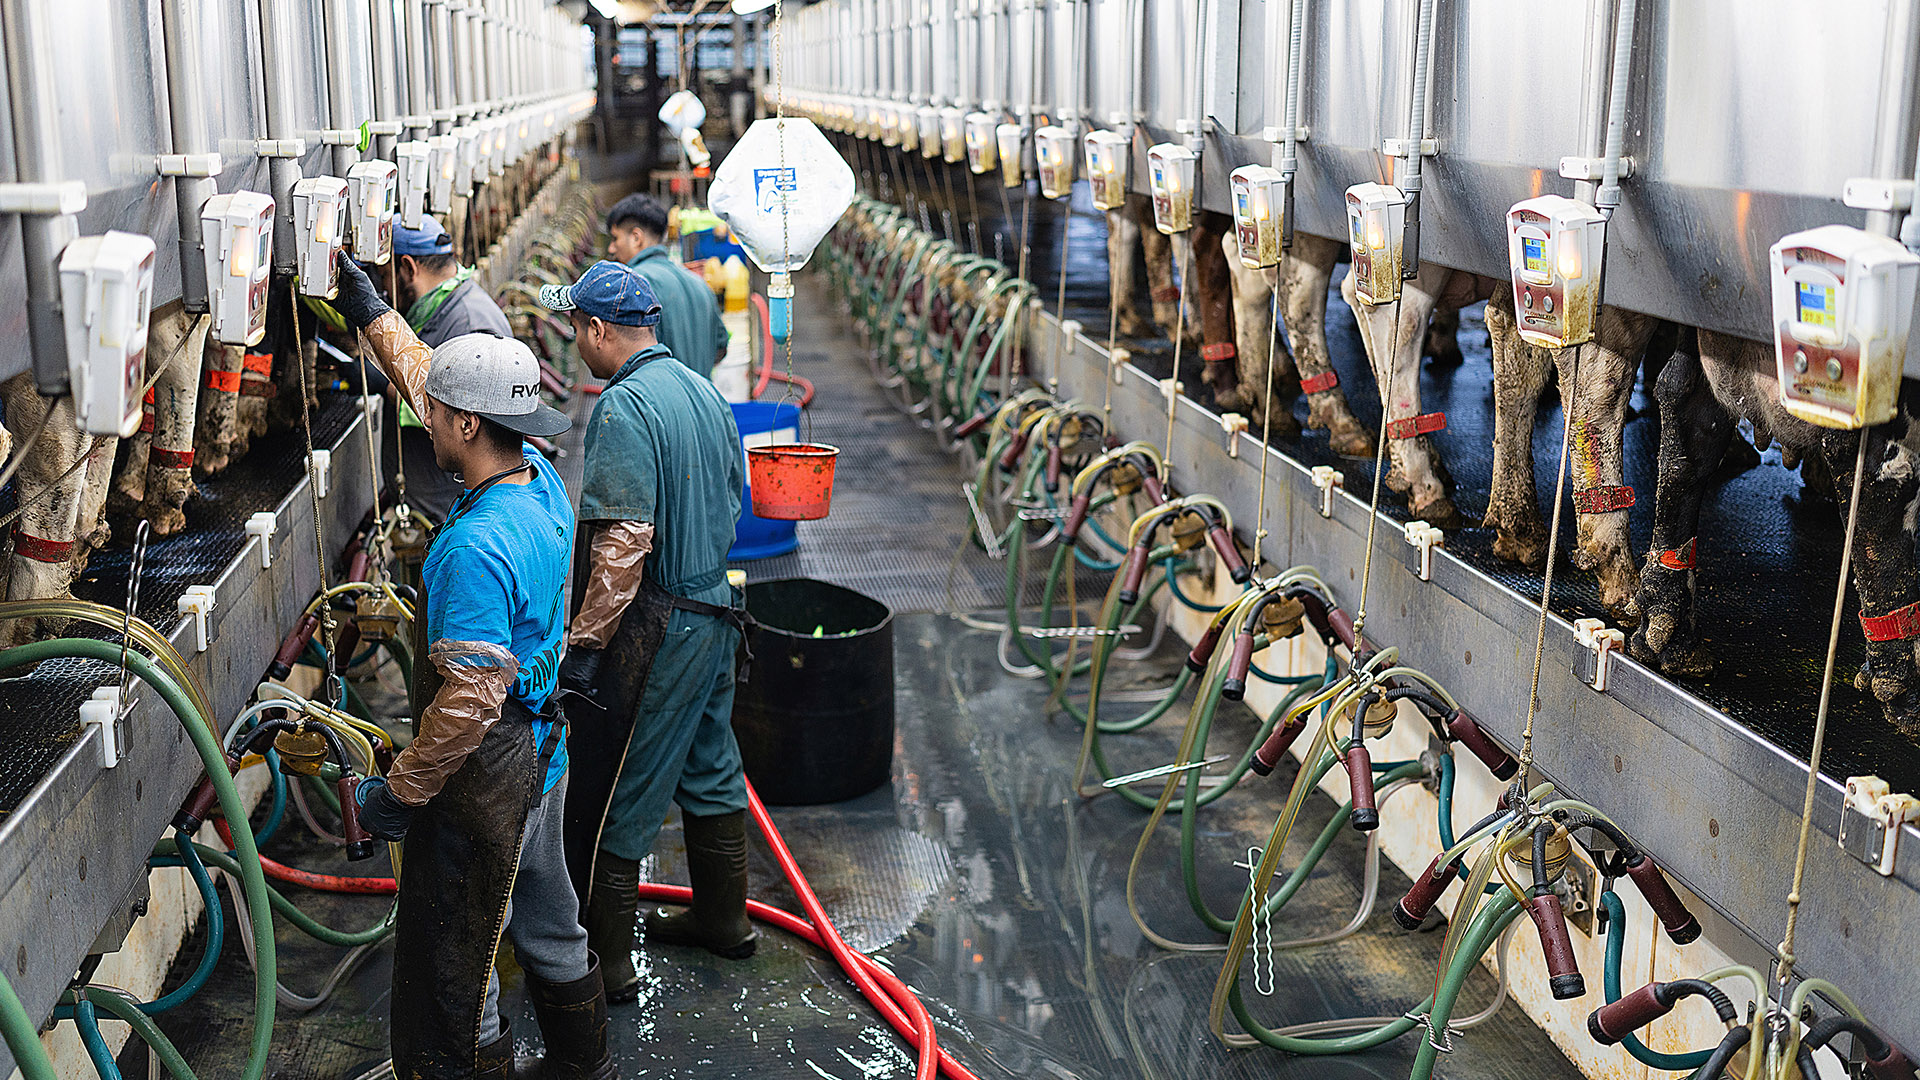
1044	539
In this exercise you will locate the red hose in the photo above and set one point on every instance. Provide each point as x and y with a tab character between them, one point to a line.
366	886
766	343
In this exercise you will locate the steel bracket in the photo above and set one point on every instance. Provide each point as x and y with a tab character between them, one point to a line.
1328	480
1171	388
280	148
198	165
1400	148
1424	538
1598	643
1870	821
1300	134
1592	169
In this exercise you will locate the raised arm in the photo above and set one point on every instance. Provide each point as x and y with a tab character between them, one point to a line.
399	353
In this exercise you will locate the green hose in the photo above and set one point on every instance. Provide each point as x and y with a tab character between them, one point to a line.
95	1043
123	1008
280	904
200	729
22	1036
1504	908
1616	944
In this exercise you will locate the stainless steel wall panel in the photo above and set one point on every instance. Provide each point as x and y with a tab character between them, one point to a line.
1113	60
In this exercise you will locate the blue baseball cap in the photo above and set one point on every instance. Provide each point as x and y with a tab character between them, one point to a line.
608	291
428	239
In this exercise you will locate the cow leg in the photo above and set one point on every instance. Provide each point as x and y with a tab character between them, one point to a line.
1694	429
1256	342
1306	272
1123	235
1602	375
1442	345
1157	249
170	460
1519	376
1212	293
1883	557
1393	350
52	481
214	428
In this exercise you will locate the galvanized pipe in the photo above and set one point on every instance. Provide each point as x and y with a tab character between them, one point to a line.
1416	136
414	13
1894	127
461	42
187	109
440	26
276	55
386	79
339	81
1197	114
1608	196
1290	111
36	160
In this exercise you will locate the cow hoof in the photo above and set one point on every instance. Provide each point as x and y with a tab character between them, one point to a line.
1903	713
165	520
1397	481
1131	325
1619	587
1440	512
1525	544
1353	442
1660	642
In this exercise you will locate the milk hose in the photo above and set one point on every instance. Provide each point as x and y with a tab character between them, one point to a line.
1616	913
95	1043
200	729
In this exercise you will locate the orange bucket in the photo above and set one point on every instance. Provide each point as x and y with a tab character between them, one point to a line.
791	481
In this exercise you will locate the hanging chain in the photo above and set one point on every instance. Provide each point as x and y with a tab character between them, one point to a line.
1784	958
1567	405
1379	470
335	687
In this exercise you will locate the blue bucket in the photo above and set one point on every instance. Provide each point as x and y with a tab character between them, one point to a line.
763	423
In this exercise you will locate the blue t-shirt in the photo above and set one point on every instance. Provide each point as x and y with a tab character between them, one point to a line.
497	573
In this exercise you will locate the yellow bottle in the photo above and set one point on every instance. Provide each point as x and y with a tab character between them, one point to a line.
736	279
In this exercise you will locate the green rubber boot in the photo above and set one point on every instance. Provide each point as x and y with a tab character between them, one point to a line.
613	905
717	865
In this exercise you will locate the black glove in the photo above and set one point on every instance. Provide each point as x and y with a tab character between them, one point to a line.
578	670
381	811
357	303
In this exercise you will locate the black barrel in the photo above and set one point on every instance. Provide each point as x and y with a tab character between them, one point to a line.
815	717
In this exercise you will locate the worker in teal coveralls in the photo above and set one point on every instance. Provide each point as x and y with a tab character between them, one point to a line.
655	631
690	325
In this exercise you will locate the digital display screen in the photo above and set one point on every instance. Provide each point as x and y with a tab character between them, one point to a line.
1816	304
266	247
1240	207
1533	254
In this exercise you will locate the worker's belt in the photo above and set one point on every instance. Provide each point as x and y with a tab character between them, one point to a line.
1315	384
1680	558
1896	625
1602	500
1424	424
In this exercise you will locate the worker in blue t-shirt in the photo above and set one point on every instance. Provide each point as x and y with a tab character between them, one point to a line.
481	790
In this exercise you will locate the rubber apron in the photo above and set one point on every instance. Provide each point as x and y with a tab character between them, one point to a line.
459	860
601	728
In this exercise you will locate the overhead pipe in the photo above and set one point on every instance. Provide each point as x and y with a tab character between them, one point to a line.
340	65
440	41
1416	138
187	113
1290	116
278	51
461	42
1900	68
1197	114
414	16
1608	196
386	124
48	217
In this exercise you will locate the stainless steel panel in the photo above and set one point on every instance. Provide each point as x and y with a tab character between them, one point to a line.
85	825
1168	28
1728	810
1113	60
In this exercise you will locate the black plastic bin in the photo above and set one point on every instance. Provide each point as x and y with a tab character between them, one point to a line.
815	719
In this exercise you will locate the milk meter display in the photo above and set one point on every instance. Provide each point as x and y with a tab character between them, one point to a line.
370	193
927	123
1107	169
1053	156
907	125
319	228
237	230
443	160
1170	176
1257	214
411	160
1010	140
1376	221
983	153
953	136
1842	315
1554	246
106	289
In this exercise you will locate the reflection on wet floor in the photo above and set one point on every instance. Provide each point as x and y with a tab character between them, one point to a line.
975	874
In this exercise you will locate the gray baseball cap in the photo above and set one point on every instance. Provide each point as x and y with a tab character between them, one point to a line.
496	377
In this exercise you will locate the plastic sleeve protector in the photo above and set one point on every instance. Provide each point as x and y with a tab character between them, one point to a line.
402	357
616	558
477	675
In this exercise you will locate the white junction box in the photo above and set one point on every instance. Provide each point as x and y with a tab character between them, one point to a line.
1170	169
1376	224
1107	169
319	230
1554	247
371	186
1258	213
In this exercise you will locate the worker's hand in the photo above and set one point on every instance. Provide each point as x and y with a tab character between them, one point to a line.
578	670
358	303
381	811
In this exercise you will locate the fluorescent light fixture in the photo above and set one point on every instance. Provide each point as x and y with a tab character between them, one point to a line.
608	9
748	7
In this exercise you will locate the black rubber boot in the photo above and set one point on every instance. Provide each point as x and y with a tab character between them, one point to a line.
717	865
613	906
494	1061
573	1021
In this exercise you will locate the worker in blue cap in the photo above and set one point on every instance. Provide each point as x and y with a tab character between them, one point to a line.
441	301
656	627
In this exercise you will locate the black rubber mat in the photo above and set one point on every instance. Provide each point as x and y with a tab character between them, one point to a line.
1769	551
39	712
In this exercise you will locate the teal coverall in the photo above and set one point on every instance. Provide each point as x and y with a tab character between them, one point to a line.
661	447
690	325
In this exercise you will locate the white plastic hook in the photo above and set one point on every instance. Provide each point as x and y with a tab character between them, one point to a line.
1234	425
261	527
1602	642
1424	538
197	603
103	711
1328	480
320	467
1118	360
